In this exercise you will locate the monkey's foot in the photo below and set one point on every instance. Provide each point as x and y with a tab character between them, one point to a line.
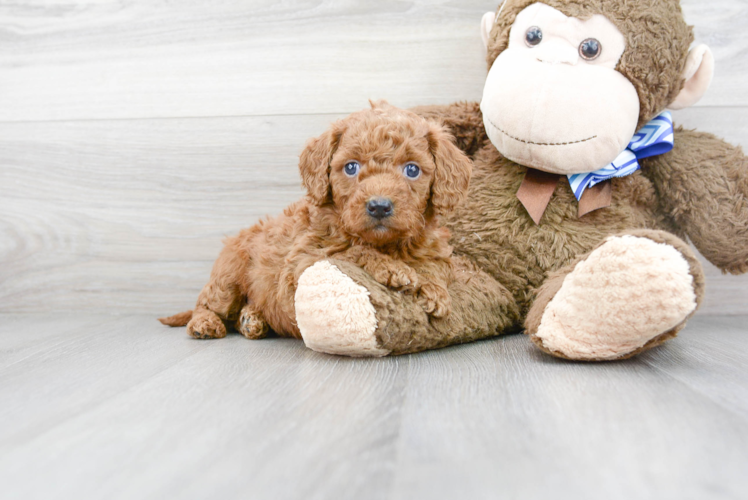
631	293
251	323
206	325
334	313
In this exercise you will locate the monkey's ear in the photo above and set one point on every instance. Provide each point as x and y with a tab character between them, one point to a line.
698	75
314	163
486	25
453	170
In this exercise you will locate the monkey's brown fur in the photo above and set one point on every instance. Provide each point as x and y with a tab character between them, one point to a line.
698	191
253	282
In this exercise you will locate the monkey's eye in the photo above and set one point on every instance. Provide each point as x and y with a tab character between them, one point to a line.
590	49
533	36
352	169
412	171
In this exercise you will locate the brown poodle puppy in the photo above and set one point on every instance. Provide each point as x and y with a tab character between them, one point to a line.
377	183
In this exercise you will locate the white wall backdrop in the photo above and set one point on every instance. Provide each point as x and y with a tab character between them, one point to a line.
135	134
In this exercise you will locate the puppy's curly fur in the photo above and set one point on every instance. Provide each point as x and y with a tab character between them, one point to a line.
253	282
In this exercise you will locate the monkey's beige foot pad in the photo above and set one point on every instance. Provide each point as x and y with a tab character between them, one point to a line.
334	314
627	295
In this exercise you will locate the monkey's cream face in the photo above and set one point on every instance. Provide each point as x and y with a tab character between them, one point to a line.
553	99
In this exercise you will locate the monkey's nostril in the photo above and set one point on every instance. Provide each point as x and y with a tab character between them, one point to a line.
379	208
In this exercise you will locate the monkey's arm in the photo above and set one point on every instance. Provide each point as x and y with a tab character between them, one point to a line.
703	186
464	120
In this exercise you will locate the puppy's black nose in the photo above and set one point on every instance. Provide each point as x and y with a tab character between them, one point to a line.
379	208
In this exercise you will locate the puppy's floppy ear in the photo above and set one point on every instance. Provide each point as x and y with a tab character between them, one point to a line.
314	163
381	103
453	170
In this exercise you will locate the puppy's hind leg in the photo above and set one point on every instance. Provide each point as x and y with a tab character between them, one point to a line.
205	324
221	299
251	323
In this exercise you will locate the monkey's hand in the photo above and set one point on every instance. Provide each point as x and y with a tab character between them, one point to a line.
703	186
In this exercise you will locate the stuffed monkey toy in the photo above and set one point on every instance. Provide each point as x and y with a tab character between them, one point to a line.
583	194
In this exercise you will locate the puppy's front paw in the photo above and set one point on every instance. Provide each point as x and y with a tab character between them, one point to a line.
396	274
435	300
206	325
403	276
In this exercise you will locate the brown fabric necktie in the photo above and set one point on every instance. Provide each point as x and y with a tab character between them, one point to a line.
537	189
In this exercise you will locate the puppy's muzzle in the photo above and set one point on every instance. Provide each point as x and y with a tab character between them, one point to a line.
380	208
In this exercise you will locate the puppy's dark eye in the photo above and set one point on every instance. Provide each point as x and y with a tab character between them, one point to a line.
590	49
412	171
352	169
533	36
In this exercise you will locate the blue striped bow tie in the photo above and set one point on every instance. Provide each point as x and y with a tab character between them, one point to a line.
654	138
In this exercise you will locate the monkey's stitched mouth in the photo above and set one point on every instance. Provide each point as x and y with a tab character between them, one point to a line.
539	143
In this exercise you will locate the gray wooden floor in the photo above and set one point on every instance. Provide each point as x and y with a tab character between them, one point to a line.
121	407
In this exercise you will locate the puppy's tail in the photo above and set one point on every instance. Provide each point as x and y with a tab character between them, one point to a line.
180	319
